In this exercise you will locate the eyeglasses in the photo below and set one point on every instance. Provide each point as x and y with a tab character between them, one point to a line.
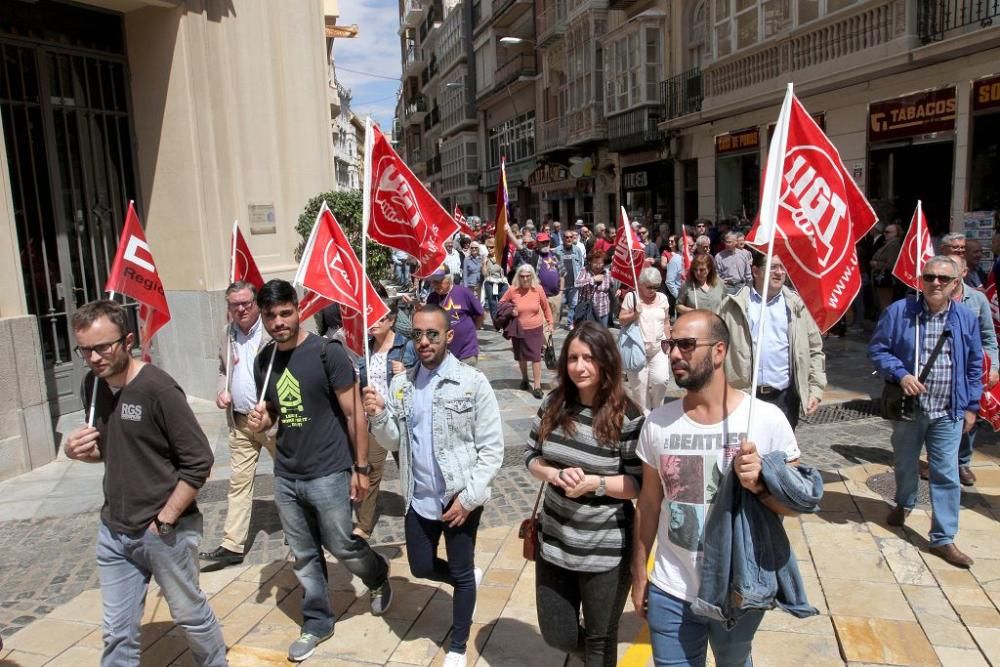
936	278
685	345
102	349
433	335
237	305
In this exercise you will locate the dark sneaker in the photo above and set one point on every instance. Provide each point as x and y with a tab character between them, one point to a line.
524	385
537	393
381	596
222	556
305	646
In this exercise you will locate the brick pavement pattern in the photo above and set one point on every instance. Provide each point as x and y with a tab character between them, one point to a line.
882	599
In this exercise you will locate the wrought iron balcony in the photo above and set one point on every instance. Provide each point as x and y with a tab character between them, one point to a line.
415	110
938	18
413	12
634	129
681	94
413	61
553	136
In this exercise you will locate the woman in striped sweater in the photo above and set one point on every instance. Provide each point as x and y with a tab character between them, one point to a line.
582	447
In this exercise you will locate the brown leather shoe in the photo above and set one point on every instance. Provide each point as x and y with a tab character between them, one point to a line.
951	554
925	469
897	516
966	476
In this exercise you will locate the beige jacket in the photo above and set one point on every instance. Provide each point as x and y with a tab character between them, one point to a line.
805	341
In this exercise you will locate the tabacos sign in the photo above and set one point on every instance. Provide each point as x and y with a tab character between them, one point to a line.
925	112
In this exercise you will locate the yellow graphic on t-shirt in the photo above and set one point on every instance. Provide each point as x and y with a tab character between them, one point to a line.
290	400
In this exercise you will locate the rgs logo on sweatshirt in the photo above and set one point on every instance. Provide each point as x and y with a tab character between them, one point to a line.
132	412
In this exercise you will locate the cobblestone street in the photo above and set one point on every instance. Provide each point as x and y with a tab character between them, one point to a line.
46	555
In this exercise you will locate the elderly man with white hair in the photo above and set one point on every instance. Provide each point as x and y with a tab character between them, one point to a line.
651	308
733	265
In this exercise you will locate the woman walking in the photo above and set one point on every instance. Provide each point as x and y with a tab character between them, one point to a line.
651	309
594	286
702	290
531	308
583	448
494	281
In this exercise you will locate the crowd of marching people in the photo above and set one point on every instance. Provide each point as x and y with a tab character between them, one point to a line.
625	478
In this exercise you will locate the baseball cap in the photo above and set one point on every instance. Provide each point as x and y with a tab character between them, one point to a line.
437	275
542	237
579	222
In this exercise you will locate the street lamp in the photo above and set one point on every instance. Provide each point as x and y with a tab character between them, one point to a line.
516	41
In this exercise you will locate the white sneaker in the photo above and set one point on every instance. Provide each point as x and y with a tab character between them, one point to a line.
452	659
479	579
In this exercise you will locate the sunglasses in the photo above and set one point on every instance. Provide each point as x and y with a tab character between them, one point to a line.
685	345
433	335
936	278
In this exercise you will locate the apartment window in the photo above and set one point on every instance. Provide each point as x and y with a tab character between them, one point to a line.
696	35
514	139
632	64
739	24
450	45
460	165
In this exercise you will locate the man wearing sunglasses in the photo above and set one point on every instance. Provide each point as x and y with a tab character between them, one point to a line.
243	339
156	458
443	418
793	368
687	447
321	466
948	397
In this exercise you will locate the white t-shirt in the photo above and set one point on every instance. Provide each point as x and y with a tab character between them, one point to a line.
691	459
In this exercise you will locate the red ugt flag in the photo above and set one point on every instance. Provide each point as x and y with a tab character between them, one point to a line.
330	268
133	273
685	253
463	224
402	213
242	265
630	256
917	236
814	213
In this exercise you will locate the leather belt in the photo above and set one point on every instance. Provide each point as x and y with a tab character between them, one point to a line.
765	390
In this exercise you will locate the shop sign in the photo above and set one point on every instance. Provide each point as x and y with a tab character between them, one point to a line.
549	173
636	180
738	141
986	93
920	113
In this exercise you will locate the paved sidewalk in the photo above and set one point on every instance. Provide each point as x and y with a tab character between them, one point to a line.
882	599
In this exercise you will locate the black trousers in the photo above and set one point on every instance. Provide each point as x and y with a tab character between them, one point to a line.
788	402
560	596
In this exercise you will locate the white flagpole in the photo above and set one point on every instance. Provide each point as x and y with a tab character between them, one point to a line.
229	323
366	202
769	219
267	376
93	394
918	253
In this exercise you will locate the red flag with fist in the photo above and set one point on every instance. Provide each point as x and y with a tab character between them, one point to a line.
916	243
402	213
331	270
134	274
243	265
814	212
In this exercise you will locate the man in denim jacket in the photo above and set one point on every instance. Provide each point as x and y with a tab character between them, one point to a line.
443	418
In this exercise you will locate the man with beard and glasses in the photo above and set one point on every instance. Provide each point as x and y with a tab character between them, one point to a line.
155	457
443	418
686	448
321	466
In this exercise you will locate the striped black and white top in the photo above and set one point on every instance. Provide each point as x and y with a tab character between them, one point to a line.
589	533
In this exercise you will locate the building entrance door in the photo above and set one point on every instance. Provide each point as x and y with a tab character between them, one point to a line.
67	129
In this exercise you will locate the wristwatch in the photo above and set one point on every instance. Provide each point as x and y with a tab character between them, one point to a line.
602	487
163	528
366	469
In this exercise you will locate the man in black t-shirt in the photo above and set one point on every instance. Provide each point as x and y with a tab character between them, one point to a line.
321	465
155	457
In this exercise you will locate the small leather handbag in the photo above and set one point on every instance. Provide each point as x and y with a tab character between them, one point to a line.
528	532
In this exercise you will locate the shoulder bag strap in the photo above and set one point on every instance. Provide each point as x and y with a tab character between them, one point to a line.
934	354
534	510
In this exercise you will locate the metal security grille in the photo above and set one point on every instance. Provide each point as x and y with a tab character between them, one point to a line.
843	412
67	130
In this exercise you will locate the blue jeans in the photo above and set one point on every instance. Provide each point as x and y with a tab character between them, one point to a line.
401	273
459	571
493	301
681	638
570	296
316	513
125	564
941	437
965	447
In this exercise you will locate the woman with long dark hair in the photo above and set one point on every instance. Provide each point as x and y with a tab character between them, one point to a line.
582	447
702	290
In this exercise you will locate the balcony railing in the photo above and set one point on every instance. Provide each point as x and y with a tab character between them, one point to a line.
413	11
936	18
847	33
634	129
586	123
550	24
681	94
413	60
415	110
521	64
554	135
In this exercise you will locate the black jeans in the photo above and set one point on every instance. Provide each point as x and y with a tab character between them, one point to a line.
422	538
559	596
788	402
